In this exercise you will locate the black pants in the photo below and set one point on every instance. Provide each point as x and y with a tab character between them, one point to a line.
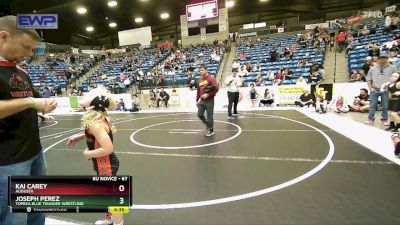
164	100
266	102
301	104
206	105
233	98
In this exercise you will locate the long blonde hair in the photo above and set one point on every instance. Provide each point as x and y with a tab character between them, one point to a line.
92	116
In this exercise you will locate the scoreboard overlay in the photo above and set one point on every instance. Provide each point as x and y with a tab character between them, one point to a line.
72	194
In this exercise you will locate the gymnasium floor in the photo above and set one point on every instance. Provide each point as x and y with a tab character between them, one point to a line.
265	167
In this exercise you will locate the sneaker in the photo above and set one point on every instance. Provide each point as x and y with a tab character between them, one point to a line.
209	133
236	114
103	222
231	117
386	123
369	122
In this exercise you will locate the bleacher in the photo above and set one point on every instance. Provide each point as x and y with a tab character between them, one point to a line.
181	78
36	70
112	68
52	68
360	51
260	53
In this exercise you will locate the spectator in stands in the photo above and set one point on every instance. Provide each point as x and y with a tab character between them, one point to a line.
164	97
366	66
341	40
355	76
257	68
315	77
274	55
42	77
267	99
279	76
260	81
340	106
393	59
377	76
243	71
301	63
361	102
235	65
365	31
301	82
46	92
270	76
331	45
306	99
351	46
253	95
374	50
289	74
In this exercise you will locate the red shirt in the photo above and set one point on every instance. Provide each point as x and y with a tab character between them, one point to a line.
203	83
341	37
279	76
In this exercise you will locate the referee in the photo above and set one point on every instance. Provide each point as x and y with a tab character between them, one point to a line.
233	82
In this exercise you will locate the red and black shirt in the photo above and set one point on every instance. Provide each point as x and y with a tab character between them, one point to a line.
19	133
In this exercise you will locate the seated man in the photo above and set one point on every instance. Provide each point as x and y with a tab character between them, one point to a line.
164	96
306	99
361	102
135	103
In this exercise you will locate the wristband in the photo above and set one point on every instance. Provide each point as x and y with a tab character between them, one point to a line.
33	102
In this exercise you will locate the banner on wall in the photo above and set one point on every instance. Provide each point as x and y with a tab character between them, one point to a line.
367	15
391	8
354	19
326	90
319	25
167	44
70	104
287	95
251	34
223	19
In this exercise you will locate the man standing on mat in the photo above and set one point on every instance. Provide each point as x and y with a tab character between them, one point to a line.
21	151
207	88
233	82
377	76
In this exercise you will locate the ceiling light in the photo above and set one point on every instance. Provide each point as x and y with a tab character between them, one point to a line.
89	29
264	0
112	24
81	10
138	19
112	3
164	16
229	3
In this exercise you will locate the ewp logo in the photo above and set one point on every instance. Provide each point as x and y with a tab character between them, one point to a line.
37	21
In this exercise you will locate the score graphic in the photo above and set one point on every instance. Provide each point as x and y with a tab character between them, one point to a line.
70	194
202	10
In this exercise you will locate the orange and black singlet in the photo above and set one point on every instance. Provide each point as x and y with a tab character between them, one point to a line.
107	165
